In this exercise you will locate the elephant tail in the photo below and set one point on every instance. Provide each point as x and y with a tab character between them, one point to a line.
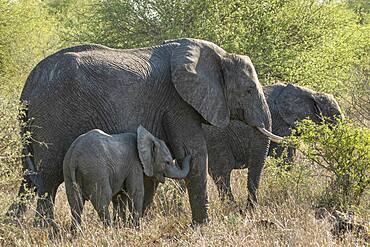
73	189
28	163
70	167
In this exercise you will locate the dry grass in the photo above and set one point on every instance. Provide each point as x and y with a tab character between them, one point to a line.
283	218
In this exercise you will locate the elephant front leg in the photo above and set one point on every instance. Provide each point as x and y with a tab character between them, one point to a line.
254	174
185	136
196	184
150	187
136	209
135	192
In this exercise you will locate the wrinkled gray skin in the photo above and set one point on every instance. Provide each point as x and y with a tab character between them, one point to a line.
240	146
237	146
98	166
170	89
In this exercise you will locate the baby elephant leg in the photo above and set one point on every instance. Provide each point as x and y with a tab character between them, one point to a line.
76	212
104	215
135	192
100	200
119	206
76	203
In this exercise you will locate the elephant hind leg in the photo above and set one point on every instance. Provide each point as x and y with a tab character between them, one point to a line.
119	207
224	189
44	216
104	215
100	200
76	216
76	203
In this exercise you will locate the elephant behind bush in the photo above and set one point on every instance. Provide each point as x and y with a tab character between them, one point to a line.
289	104
239	146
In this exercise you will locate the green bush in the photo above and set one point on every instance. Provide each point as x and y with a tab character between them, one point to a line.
343	152
284	181
27	34
10	143
303	42
358	98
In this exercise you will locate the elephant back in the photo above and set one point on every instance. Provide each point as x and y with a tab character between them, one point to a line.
42	71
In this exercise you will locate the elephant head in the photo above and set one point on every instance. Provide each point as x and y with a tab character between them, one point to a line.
220	86
295	103
156	158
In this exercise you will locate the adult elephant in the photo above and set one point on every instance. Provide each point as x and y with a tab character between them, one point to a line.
289	104
240	146
170	89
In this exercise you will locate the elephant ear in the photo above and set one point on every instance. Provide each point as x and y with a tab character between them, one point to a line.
145	147
296	103
197	76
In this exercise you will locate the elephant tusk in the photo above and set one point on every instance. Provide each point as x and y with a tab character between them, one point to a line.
271	136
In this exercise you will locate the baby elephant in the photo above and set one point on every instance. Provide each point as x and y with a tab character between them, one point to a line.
98	166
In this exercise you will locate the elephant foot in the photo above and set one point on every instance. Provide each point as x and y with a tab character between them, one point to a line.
195	225
44	216
249	208
54	232
231	202
42	222
16	210
251	205
200	222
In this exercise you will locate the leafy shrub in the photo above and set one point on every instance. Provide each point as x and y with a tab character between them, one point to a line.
304	42
27	34
284	181
358	99
343	152
10	144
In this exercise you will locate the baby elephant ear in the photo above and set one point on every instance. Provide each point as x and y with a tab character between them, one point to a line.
145	147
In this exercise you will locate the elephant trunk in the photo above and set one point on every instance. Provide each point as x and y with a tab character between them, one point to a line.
258	114
174	171
271	136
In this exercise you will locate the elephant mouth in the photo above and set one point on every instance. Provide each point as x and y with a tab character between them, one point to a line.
271	136
261	128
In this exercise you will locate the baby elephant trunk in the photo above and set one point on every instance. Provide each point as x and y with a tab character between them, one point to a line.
174	171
